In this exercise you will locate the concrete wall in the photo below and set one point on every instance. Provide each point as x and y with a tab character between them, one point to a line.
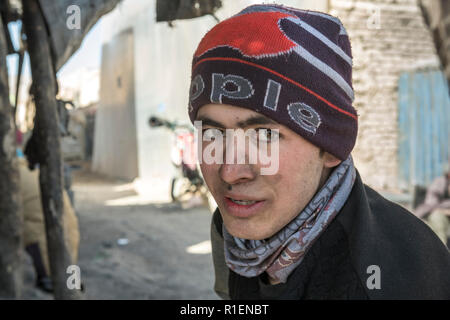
388	37
115	145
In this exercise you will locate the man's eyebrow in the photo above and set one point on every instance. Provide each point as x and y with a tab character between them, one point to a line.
256	120
210	122
251	121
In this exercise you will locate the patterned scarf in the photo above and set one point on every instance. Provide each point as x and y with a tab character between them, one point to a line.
284	251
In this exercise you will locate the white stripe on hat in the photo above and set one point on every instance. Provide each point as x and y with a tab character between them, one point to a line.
322	38
326	69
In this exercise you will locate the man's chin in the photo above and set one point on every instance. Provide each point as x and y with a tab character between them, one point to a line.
244	230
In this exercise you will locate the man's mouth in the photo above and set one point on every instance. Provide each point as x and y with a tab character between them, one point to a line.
241	207
243	202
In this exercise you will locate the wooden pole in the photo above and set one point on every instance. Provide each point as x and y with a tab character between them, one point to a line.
46	124
10	214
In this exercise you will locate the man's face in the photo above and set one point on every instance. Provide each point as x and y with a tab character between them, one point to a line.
275	199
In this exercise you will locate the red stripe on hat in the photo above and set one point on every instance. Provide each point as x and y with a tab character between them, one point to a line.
254	41
281	76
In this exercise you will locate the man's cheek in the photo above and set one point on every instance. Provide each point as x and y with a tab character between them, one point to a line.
278	173
210	174
276	179
206	172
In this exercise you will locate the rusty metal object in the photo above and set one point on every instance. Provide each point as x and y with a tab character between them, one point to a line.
48	140
169	10
437	16
65	41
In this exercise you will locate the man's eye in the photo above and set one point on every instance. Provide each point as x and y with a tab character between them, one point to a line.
212	133
268	135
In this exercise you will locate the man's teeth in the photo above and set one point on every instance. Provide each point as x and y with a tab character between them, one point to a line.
243	202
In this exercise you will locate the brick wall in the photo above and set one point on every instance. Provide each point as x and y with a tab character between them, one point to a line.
438	18
388	37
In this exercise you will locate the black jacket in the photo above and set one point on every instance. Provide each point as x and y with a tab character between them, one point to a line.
369	234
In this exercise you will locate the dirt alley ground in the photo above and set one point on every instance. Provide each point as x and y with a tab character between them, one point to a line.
154	264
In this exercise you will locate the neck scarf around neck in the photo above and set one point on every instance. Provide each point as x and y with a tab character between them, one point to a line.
284	251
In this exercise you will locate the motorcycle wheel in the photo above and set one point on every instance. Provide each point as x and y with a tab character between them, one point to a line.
180	189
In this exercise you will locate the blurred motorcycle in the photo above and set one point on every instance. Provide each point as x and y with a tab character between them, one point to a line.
189	182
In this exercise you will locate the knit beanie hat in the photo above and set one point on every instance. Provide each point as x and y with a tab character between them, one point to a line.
293	66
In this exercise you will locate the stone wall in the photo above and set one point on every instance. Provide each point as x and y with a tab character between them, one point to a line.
437	14
388	37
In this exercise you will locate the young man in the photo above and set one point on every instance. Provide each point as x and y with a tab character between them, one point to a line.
310	229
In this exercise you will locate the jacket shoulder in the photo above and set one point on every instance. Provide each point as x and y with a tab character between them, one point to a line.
399	219
217	222
408	253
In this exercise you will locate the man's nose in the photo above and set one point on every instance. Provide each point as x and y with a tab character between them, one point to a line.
236	167
236	173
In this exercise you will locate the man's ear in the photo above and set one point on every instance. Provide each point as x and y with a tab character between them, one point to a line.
330	161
